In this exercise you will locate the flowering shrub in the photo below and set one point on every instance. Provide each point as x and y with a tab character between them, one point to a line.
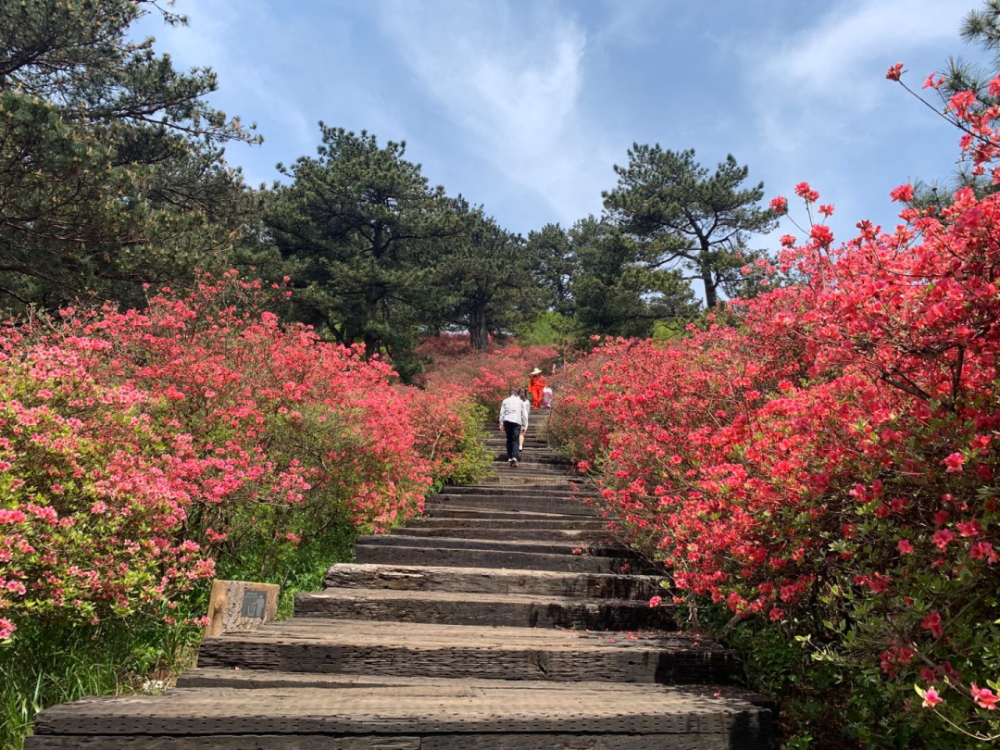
824	458
136	448
485	378
447	429
142	452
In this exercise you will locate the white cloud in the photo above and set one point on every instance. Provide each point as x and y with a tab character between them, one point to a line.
509	75
628	22
823	78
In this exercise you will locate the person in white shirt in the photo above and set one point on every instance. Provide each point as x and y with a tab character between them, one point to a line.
512	421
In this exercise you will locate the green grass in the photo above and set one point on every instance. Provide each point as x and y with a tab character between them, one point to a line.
52	663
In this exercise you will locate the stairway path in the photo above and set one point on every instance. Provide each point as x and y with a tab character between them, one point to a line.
503	619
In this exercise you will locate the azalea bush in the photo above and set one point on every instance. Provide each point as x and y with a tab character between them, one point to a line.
486	377
447	426
821	463
145	452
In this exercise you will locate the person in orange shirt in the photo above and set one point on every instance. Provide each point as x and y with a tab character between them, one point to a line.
536	387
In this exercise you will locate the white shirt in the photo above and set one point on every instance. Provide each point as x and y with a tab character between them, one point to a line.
512	410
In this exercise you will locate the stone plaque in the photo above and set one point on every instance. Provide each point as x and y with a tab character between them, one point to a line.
240	605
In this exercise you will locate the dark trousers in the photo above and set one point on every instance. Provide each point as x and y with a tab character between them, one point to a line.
513	430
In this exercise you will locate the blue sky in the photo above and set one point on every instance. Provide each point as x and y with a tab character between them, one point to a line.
525	105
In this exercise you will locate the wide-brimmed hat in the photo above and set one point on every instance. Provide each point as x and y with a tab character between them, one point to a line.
536	371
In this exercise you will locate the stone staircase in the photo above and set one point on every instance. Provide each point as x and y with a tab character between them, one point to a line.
504	619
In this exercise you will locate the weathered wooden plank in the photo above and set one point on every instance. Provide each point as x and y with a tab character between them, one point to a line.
498	502
564	502
435	742
537	492
487	580
574	537
223	742
457	511
533	546
519	479
403	711
481	609
504	521
459	651
541	456
530	470
209	677
472	558
591	742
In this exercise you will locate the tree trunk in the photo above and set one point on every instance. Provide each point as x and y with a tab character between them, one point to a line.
479	337
372	296
371	312
711	297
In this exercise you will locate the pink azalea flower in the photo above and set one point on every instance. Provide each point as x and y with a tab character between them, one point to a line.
931	698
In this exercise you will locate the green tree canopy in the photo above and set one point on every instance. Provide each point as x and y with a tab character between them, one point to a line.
552	264
111	168
612	283
484	275
688	217
617	289
362	231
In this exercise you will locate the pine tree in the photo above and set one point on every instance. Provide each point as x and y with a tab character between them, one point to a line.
111	169
363	230
485	277
686	216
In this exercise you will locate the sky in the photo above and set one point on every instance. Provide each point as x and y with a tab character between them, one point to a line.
524	106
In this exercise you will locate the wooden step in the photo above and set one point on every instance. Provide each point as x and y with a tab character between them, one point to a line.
462	608
490	580
567	506
457	511
534	457
555	492
314	644
539	497
577	537
515	496
565	523
534	472
500	445
252	678
535	468
440	715
531	546
542	456
518	478
477	558
558	493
